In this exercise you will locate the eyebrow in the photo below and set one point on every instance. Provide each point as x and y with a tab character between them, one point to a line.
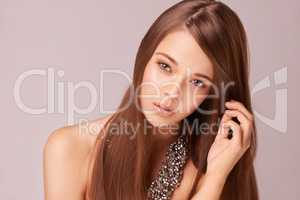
169	57
203	76
176	63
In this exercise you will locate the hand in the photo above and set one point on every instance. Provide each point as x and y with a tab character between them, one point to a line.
225	153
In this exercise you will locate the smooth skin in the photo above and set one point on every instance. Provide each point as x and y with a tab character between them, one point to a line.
68	153
67	156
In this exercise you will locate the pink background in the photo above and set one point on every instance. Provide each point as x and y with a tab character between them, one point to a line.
81	38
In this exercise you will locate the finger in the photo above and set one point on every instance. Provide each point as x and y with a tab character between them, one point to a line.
222	133
226	129
244	123
236	131
225	118
239	106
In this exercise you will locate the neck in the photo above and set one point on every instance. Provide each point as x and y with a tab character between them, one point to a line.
164	136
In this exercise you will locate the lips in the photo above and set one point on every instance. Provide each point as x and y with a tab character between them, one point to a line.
163	110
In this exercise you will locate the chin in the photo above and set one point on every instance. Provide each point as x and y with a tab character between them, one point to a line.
156	121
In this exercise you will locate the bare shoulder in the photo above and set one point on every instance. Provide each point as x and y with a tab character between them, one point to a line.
66	156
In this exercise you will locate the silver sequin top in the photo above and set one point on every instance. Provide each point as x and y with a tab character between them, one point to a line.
171	171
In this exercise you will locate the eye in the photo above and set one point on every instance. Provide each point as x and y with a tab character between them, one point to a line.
198	83
163	66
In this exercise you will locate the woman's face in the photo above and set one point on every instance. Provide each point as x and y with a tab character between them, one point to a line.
177	77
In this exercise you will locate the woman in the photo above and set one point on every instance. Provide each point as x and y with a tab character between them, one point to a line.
191	131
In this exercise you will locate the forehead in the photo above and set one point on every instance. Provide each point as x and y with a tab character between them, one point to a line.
181	46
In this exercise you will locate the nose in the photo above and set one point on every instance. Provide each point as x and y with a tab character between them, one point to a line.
170	95
172	89
172	92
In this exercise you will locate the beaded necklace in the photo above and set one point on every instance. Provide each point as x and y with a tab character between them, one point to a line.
171	171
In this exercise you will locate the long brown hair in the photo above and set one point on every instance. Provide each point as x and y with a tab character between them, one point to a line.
121	165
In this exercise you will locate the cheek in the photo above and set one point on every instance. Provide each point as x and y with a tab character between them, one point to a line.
191	102
149	90
149	85
150	74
